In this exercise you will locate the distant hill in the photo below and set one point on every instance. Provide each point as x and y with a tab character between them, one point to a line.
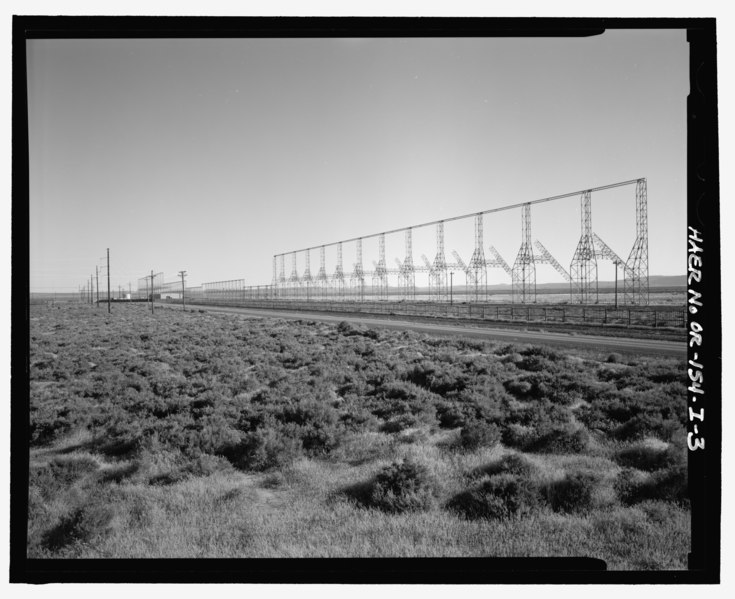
667	281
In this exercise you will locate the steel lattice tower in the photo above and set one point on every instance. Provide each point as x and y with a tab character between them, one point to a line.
407	271
339	275
293	280
524	269
636	268
583	268
357	281
438	286
477	269
281	274
307	278
322	281
380	275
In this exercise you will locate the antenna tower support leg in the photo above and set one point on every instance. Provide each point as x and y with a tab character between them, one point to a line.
523	274
380	276
281	275
357	281
322	280
583	268
477	271
636	268
407	274
338	280
438	278
293	280
307	279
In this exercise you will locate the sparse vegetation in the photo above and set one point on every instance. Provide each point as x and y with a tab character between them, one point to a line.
203	435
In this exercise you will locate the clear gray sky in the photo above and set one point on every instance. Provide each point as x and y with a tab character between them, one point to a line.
213	155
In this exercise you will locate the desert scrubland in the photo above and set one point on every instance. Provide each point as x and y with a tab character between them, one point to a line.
194	434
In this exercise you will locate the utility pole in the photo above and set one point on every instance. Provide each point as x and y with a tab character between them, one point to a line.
451	286
91	289
97	280
130	290
151	292
108	280
182	273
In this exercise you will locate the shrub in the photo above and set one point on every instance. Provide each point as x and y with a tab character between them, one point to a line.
263	449
119	473
646	457
121	438
573	493
669	484
520	388
356	418
452	414
274	480
512	463
206	465
543	352
60	473
517	435
646	424
561	439
48	424
81	524
399	423
501	496
538	359
403	486
314	422
478	434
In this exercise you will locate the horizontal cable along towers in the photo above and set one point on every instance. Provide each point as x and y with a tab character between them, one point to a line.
582	277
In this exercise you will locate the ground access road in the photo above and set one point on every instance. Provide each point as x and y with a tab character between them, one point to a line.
595	342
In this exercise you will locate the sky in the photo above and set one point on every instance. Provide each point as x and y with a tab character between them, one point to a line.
211	156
